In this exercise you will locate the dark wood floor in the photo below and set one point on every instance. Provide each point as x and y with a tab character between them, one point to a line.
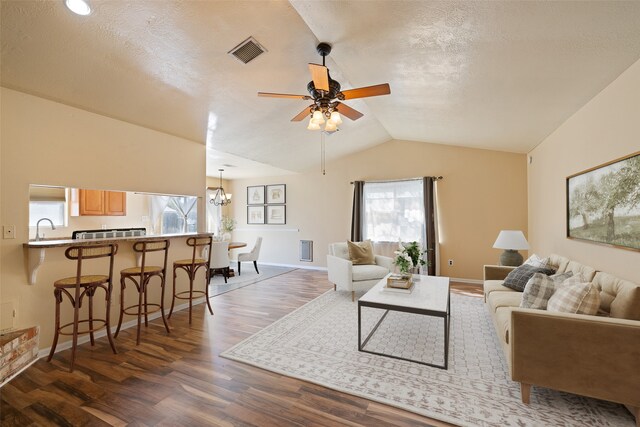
179	379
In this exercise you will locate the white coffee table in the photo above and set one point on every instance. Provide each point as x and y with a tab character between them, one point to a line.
430	297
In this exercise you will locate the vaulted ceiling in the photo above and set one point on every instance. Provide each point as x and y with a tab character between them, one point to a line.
496	75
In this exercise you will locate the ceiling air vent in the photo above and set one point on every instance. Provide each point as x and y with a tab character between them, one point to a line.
247	50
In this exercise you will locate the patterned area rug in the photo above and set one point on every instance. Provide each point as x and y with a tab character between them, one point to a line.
318	343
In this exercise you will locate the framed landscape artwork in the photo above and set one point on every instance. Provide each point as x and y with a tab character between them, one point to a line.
603	204
255	195
255	214
276	194
276	214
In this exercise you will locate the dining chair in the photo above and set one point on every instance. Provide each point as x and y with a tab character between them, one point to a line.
251	256
220	259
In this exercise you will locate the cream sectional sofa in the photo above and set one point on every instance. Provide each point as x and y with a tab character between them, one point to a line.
595	356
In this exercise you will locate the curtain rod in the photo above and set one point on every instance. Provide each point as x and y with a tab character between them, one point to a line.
435	178
143	193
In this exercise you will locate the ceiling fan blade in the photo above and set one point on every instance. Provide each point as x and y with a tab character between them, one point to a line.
349	112
283	95
363	92
302	115
320	76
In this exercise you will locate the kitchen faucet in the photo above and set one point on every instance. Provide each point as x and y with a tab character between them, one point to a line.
53	227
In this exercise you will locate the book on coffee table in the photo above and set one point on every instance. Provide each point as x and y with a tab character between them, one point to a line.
403	281
398	290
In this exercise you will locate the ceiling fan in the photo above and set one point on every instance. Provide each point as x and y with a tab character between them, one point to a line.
327	96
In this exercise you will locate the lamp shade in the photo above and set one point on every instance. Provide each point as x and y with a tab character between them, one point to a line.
313	125
317	117
511	239
335	118
330	126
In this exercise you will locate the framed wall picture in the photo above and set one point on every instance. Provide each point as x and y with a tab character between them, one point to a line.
276	214
255	214
255	195
276	194
603	204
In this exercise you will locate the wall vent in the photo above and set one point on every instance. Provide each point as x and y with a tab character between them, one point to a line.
306	250
248	50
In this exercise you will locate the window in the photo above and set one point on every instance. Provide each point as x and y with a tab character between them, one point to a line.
394	211
180	215
47	202
52	210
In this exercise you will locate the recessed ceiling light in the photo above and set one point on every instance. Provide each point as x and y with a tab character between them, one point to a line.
80	7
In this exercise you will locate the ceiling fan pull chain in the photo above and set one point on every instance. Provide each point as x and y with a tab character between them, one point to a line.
322	154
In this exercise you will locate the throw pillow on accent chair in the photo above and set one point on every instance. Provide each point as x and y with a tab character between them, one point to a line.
361	253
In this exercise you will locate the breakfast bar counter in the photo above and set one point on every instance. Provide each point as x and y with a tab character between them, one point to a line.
37	249
42	244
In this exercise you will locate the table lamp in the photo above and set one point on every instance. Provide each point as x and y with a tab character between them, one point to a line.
511	241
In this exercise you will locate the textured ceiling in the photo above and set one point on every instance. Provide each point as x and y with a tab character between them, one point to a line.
499	75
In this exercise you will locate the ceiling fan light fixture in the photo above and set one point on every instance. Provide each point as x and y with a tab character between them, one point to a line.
330	126
317	117
327	96
335	118
313	125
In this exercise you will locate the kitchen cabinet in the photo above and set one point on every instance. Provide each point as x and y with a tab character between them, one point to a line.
115	203
98	202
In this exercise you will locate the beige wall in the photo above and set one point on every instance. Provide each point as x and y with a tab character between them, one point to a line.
482	192
44	142
606	128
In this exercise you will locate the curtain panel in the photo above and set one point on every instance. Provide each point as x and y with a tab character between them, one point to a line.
430	223
357	213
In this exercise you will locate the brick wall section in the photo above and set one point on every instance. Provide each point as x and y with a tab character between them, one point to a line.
17	350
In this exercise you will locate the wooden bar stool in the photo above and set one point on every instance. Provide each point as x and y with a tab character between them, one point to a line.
79	286
140	277
191	267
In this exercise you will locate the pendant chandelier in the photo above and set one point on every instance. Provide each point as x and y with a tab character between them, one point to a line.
220	198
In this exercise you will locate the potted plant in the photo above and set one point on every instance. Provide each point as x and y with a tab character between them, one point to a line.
409	258
227	225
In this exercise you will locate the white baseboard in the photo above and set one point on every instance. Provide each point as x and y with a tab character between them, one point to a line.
103	333
302	267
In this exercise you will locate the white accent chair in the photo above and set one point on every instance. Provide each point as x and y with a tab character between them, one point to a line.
348	277
219	259
251	256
